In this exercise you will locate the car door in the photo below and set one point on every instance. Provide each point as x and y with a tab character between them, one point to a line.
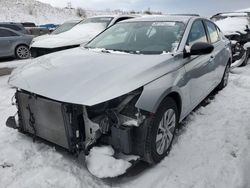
217	62
7	39
199	69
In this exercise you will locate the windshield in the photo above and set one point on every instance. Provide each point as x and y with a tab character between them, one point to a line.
64	27
105	21
140	37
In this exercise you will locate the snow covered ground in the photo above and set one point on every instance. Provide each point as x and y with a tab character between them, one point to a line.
33	11
211	151
40	13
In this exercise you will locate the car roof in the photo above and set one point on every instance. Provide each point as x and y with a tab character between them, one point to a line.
243	13
177	18
113	16
11	23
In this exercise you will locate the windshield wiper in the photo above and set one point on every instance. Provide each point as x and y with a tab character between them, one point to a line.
127	51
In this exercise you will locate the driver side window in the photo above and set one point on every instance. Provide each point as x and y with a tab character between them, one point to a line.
197	33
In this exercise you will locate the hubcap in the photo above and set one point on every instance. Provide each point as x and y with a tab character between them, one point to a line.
226	75
165	131
23	52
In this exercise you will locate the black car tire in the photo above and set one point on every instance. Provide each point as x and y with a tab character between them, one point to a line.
22	52
152	155
225	78
246	59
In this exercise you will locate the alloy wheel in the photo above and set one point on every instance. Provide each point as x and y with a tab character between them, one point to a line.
22	52
165	132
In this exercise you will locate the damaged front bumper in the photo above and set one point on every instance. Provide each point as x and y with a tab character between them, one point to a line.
77	129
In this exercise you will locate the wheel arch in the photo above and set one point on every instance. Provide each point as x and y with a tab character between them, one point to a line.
148	102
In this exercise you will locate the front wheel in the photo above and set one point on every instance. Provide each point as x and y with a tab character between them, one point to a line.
161	131
22	52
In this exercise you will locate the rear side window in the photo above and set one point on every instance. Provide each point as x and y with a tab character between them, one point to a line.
14	27
197	33
7	33
213	33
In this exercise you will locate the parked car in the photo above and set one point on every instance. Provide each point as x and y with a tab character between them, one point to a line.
235	26
34	30
81	33
66	26
129	87
13	43
14	26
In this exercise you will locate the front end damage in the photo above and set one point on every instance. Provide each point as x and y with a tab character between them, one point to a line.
77	128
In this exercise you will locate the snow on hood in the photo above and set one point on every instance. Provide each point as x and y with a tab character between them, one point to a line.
231	24
79	34
87	77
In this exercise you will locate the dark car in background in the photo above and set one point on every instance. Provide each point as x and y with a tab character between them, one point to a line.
34	30
235	26
14	43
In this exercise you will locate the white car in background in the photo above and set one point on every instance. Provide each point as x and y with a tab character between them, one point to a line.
66	26
235	26
79	34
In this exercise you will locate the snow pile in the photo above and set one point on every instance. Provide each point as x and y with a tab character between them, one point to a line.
15	63
34	11
233	24
102	164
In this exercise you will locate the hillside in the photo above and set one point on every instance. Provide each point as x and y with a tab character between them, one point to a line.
33	11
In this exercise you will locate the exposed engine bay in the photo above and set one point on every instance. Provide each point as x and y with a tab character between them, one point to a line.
77	128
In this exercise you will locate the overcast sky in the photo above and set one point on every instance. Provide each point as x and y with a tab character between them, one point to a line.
203	7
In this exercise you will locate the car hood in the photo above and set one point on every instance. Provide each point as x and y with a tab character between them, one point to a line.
76	36
88	77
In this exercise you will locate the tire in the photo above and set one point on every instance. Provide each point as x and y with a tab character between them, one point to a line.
159	139
246	59
22	52
225	77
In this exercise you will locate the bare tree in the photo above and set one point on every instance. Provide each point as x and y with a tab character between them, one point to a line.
81	12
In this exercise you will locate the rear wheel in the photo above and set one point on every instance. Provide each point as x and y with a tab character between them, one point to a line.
246	57
161	131
22	52
225	78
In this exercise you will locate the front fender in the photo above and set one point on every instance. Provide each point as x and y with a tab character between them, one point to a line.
154	92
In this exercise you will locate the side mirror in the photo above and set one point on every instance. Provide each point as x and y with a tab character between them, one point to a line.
200	48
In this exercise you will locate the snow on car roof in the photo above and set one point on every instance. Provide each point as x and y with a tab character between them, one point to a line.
234	14
233	24
184	19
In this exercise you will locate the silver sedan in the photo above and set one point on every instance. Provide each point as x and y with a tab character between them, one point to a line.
14	44
129	87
